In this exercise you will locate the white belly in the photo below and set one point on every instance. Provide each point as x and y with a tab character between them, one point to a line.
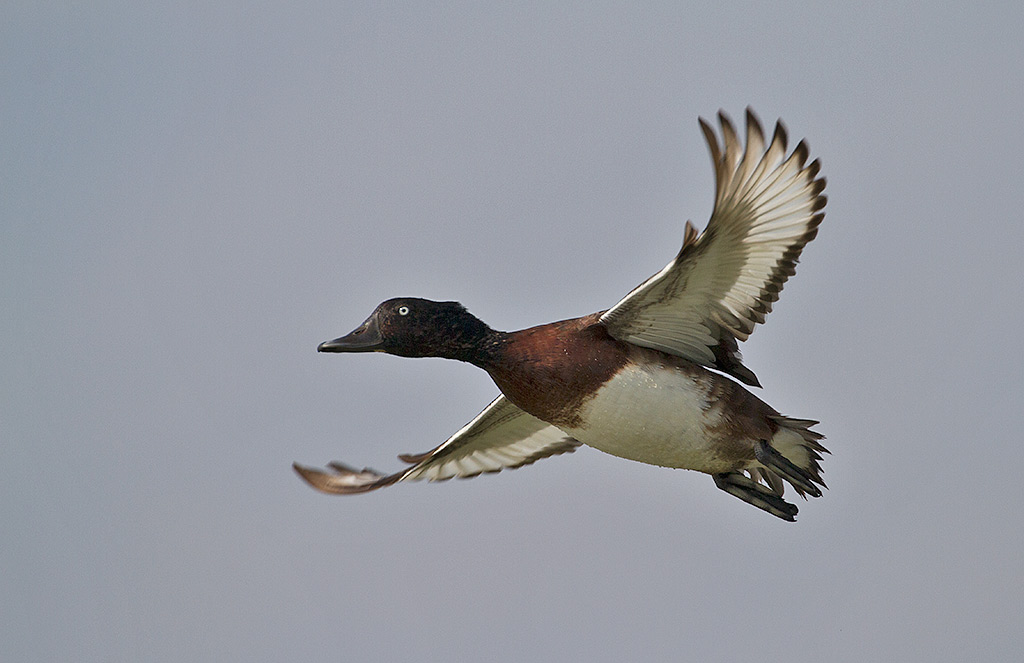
659	415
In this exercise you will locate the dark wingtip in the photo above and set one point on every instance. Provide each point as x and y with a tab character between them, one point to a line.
308	474
753	120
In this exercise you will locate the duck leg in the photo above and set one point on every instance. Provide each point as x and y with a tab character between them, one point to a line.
740	485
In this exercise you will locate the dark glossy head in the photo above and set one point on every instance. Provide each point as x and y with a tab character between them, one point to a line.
411	327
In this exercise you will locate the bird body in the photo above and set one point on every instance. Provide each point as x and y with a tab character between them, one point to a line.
656	378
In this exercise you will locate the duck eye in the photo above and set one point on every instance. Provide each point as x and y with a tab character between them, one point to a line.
403	310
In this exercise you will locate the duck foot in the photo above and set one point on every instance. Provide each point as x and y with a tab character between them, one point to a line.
740	485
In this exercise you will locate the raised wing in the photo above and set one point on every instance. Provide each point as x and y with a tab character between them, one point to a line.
500	437
724	281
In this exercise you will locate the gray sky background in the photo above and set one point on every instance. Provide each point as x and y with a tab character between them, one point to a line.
192	198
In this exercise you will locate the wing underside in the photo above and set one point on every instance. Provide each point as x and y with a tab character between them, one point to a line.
724	281
500	437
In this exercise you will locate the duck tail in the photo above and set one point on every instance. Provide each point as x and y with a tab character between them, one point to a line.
794	454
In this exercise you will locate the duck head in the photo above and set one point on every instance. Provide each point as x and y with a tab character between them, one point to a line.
412	327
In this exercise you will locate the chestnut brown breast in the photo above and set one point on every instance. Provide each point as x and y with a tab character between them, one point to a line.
550	370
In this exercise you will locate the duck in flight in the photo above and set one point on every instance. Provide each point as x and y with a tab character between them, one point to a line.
655	378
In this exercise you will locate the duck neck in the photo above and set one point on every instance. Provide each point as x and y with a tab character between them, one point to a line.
475	344
487	351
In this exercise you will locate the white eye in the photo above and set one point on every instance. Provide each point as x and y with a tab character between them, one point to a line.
403	310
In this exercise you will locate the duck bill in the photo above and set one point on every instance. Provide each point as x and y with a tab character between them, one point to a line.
365	338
